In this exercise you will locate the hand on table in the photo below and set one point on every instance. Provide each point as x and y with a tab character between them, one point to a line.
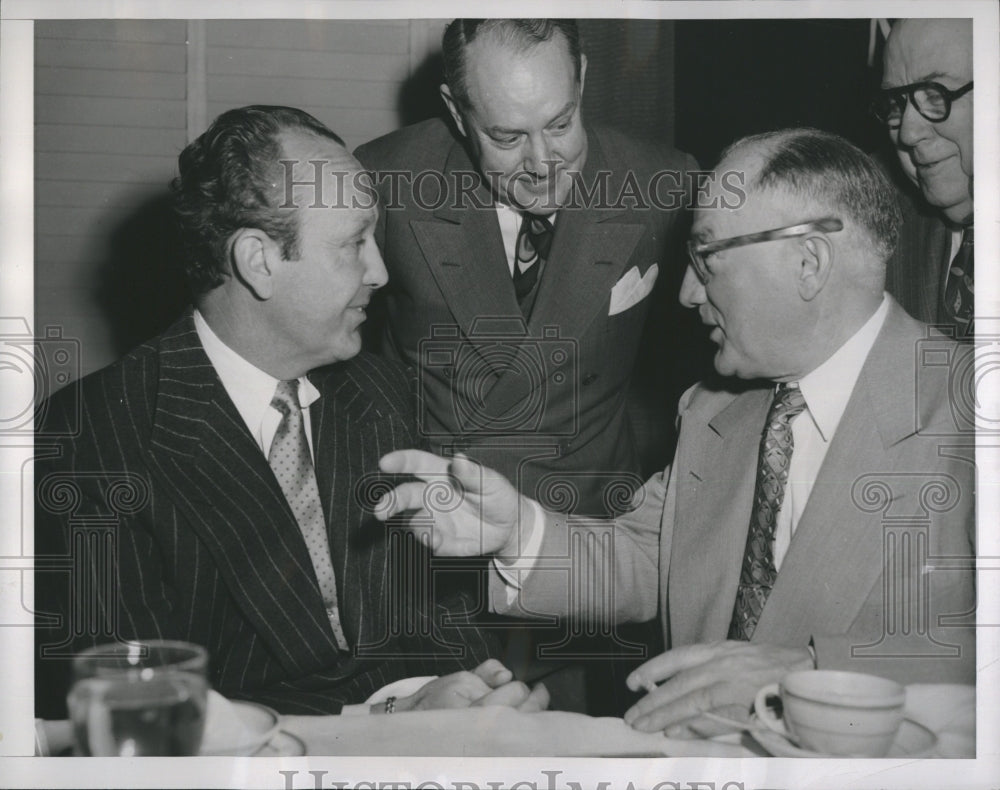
460	509
491	683
721	677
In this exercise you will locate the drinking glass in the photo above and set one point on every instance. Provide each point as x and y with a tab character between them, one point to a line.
139	698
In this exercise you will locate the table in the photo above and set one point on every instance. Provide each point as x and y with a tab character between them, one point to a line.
948	710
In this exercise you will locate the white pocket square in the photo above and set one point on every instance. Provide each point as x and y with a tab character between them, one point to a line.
632	289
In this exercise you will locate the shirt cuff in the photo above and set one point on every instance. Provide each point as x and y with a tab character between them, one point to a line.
515	573
356	710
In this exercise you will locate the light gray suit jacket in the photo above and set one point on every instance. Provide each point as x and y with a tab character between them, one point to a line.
880	572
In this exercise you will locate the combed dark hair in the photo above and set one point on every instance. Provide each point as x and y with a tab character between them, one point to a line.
826	167
521	34
226	182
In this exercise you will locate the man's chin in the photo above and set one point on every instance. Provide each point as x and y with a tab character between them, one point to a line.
537	203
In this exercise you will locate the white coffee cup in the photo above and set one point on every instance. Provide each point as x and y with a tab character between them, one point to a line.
846	714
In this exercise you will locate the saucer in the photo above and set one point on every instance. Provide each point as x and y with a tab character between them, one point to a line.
912	740
283	744
237	727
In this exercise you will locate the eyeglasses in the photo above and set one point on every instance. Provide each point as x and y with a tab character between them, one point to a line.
932	100
698	251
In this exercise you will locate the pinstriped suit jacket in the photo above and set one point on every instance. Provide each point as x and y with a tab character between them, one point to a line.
200	544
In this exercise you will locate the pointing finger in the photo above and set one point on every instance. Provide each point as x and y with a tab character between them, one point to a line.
405	496
413	462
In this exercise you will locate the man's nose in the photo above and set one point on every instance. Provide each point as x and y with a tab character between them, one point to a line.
538	155
375	273
692	291
913	127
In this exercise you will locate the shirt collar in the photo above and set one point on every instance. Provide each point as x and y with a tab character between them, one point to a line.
828	388
503	209
249	387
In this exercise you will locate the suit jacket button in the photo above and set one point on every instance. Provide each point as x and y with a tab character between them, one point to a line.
590	378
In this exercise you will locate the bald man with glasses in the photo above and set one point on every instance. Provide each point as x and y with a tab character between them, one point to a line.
926	105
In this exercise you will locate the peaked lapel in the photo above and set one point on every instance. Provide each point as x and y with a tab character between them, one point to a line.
590	250
715	491
221	481
463	248
342	428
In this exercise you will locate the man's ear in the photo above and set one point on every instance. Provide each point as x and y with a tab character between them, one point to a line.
252	255
452	105
817	253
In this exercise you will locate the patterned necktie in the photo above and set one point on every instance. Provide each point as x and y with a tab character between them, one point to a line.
534	240
959	292
758	573
291	462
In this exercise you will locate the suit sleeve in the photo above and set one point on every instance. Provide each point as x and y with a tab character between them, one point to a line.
596	568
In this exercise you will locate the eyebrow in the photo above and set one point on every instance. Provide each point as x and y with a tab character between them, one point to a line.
566	108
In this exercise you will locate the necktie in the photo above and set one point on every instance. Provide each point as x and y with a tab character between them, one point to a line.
534	240
959	294
758	573
291	462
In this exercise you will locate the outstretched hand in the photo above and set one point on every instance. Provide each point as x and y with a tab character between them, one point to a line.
458	508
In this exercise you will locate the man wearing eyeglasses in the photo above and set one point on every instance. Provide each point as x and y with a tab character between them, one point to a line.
795	527
926	103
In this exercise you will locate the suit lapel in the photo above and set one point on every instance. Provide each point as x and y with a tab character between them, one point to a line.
221	481
342	427
464	251
836	555
590	250
713	515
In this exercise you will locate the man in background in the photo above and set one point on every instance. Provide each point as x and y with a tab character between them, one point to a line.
926	103
523	249
219	489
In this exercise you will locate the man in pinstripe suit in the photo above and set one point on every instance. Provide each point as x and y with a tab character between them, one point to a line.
160	506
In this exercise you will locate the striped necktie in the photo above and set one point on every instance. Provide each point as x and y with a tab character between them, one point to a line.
959	291
534	240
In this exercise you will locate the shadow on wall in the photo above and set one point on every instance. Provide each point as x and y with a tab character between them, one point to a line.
419	95
141	287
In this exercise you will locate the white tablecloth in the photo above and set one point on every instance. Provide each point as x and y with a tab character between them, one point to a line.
947	710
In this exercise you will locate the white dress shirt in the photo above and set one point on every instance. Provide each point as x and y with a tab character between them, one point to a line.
251	389
826	391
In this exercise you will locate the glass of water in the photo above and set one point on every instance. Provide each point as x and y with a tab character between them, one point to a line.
139	698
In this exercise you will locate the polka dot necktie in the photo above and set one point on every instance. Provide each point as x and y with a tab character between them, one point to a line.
534	240
292	465
959	291
758	573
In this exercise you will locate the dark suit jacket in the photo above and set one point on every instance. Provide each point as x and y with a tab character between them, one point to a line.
880	570
543	403
918	269
161	518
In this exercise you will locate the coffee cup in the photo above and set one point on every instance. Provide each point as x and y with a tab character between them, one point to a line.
846	714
